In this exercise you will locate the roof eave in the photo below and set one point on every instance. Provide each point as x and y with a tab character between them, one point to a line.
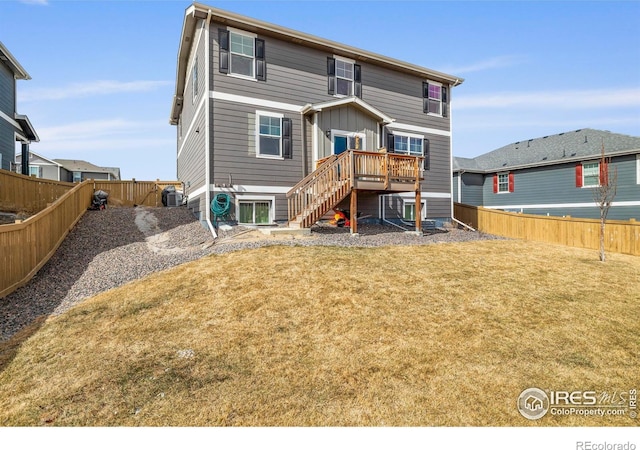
27	127
18	71
239	21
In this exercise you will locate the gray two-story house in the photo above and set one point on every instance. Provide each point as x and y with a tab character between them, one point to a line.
14	127
290	125
553	175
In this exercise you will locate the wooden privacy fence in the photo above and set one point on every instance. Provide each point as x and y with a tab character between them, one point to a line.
620	236
20	193
26	246
131	193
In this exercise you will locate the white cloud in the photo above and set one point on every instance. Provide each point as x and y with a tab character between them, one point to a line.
91	88
35	2
568	99
487	64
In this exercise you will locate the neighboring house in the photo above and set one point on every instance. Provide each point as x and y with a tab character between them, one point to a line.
257	106
42	167
14	127
78	170
552	175
70	170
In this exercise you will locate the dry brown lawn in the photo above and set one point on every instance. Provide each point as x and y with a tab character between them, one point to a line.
440	335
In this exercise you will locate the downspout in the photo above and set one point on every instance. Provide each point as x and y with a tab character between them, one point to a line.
207	134
451	150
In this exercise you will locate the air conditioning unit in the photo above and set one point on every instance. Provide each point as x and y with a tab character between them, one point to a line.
174	198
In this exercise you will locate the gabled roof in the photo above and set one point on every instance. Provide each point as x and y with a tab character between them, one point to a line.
560	148
7	58
74	165
47	160
199	11
27	128
354	101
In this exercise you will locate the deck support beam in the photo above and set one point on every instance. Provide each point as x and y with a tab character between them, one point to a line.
353	212
418	211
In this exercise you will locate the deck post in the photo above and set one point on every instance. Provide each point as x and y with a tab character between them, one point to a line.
354	211
418	210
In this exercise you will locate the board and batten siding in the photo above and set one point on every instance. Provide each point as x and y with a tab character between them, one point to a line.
346	118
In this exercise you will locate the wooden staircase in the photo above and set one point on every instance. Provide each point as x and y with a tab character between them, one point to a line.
321	190
340	175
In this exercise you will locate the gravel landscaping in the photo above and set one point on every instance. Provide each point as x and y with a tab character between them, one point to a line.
109	248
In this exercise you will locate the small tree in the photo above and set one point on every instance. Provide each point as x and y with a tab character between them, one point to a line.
604	193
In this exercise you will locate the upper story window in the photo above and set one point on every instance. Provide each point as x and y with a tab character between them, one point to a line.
242	54
194	80
344	77
273	135
435	99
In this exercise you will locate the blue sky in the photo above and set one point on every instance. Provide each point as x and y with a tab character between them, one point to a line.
103	73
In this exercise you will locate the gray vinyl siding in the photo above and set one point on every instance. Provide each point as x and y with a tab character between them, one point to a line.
557	185
234	149
297	75
7	106
7	91
191	144
7	145
471	187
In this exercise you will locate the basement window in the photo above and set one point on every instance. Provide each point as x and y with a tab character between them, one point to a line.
254	212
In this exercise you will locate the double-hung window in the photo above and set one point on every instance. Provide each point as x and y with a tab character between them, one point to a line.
344	77
273	135
590	174
435	98
242	54
503	182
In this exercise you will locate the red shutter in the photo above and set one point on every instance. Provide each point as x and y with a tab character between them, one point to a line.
604	172
495	183
512	184
579	175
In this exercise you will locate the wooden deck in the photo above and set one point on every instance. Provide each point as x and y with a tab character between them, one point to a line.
338	176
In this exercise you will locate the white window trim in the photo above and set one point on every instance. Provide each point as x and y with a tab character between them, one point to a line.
247	34
423	212
353	81
638	168
257	198
591	185
269	114
435	83
348	134
410	135
507	191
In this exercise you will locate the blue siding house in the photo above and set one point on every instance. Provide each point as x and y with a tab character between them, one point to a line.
14	127
552	175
